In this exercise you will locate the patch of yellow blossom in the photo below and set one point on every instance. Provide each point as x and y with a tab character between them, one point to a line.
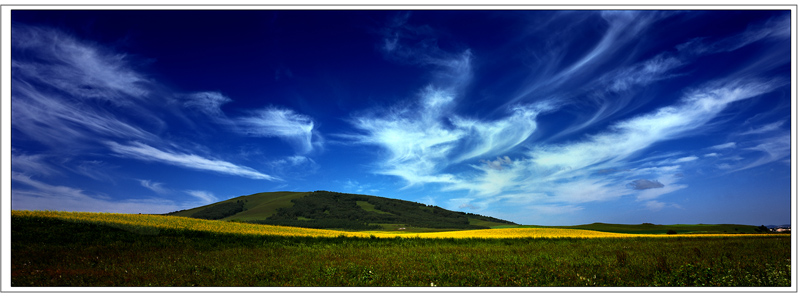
151	224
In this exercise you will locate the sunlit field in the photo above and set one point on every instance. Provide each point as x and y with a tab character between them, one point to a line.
146	223
91	249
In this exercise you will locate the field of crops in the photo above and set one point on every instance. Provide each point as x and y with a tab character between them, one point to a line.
146	223
153	223
83	249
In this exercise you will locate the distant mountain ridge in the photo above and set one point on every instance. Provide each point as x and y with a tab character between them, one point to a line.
334	210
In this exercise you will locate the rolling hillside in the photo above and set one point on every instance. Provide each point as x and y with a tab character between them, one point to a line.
332	210
648	228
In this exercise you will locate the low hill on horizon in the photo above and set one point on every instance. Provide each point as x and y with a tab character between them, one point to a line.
334	210
649	228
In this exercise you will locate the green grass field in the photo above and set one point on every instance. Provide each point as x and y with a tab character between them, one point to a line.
55	252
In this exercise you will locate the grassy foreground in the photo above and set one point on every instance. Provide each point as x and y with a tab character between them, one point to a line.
50	250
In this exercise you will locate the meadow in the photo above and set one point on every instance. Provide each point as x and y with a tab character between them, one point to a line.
89	249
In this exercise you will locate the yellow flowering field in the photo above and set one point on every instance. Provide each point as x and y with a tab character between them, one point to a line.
552	233
151	223
141	222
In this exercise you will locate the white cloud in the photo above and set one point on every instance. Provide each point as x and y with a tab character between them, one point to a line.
64	198
31	164
205	196
422	141
297	129
154	186
724	146
772	28
555	209
765	128
622	28
468	206
145	152
76	67
643	73
209	103
482	138
654	205
686	159
724	166
772	149
353	186
565	173
95	169
430	143
54	121
630	136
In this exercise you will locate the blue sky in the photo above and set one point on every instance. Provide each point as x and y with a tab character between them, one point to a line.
538	117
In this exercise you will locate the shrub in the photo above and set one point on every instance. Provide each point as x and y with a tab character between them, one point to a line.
672	232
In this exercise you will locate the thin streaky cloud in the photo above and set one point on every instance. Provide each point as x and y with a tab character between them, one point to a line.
205	196
565	172
686	159
76	67
770	149
42	197
154	186
295	128
765	128
538	117
32	164
724	146
51	119
140	151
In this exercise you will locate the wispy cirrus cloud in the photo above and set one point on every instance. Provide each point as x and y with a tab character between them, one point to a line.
154	186
428	143
556	173
630	136
140	151
420	142
686	159
56	120
296	129
81	69
419	45
621	28
209	103
32	164
205	196
778	27
71	95
771	149
770	127
46	196
726	145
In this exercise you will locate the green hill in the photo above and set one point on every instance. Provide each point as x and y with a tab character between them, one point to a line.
333	210
648	228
